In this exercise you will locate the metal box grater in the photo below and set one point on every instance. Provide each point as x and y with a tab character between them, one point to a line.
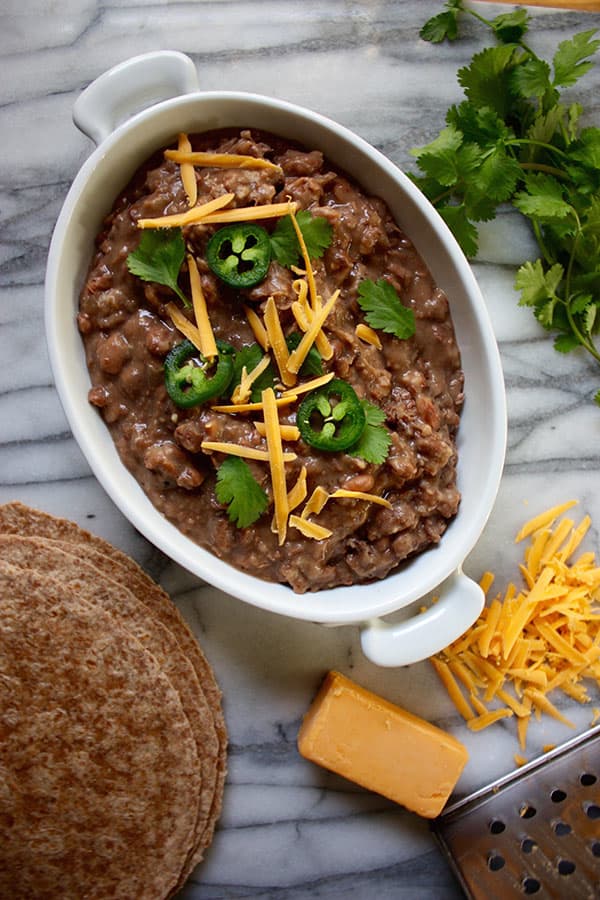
533	832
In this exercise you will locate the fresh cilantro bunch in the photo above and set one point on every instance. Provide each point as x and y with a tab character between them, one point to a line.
513	140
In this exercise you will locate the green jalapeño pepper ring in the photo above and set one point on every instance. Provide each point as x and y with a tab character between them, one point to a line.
186	378
331	418
239	254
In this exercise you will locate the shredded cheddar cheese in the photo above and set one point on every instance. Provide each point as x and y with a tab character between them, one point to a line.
361	495
244	452
250	213
192	217
253	407
310	275
277	342
368	335
183	324
258	329
531	642
304	314
276	460
186	170
288	432
243	390
310	529
208	345
185	155
312	385
299	491
301	352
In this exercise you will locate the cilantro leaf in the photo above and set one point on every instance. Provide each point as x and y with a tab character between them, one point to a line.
531	79
159	257
375	441
384	310
564	343
539	289
587	149
511	27
316	231
543	198
441	27
568	61
486	80
464	231
237	488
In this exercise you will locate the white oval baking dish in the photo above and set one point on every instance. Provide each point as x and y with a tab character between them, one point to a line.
126	114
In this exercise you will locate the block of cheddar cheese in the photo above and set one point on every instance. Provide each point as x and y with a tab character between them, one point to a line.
383	748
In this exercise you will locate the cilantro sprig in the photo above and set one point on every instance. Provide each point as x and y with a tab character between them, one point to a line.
513	140
316	231
159	258
237	489
375	441
384	310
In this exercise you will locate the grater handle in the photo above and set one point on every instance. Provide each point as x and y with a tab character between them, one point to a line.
460	601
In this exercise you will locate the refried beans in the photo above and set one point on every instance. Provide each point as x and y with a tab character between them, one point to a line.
417	382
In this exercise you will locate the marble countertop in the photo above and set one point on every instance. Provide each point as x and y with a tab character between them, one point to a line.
288	829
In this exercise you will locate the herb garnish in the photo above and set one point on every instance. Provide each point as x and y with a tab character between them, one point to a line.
316	231
384	310
375	441
159	258
512	141
237	488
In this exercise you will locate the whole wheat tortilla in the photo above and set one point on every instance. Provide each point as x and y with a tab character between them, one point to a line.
89	584
17	518
100	784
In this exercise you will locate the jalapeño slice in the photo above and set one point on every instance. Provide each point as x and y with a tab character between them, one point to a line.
331	417
239	254
191	379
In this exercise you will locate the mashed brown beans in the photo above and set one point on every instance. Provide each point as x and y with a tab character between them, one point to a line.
418	383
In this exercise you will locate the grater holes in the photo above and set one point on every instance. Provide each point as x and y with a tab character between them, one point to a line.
557	796
528	845
530	885
596	848
497	826
592	810
495	862
562	828
587	779
565	867
527	811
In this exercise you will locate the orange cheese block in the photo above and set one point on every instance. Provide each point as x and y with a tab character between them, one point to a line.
385	749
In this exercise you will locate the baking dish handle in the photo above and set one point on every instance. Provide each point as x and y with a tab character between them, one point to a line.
130	87
460	601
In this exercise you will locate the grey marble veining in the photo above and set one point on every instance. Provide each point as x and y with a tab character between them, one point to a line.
289	830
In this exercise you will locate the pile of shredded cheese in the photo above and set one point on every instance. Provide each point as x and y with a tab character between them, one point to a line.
533	641
310	313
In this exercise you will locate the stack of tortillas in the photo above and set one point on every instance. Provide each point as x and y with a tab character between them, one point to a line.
112	737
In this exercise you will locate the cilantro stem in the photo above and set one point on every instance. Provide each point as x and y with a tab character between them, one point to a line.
533	143
543	167
582	338
541	244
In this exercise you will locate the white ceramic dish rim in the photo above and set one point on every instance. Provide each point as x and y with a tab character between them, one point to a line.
122	147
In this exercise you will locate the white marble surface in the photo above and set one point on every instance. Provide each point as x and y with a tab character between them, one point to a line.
288	830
